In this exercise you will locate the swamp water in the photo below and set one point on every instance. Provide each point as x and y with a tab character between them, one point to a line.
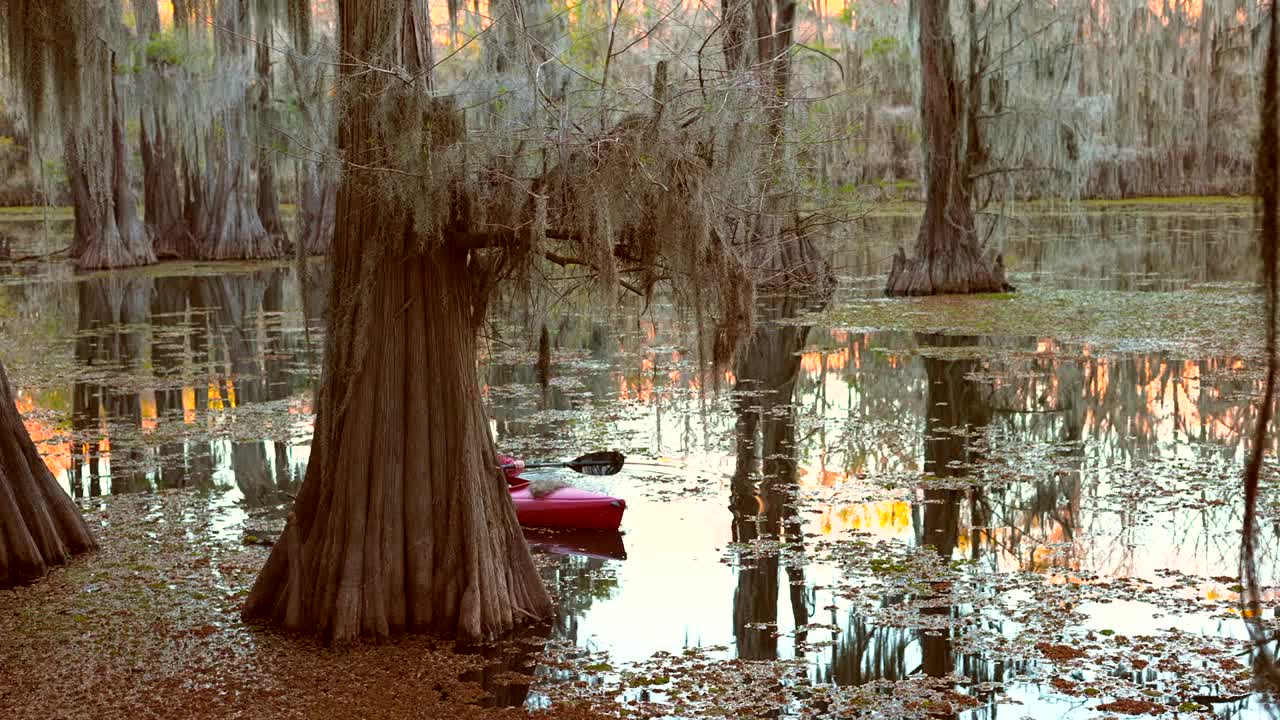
1022	506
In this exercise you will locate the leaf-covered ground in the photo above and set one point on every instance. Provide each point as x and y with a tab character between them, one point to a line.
149	627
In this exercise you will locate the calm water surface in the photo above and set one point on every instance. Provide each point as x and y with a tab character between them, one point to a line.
1069	496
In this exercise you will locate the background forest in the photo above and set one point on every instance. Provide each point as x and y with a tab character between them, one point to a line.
1128	97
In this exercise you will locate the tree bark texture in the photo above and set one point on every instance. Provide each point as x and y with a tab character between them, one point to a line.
40	526
403	522
948	258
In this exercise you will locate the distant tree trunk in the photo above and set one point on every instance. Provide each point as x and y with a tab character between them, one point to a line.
318	204
227	225
403	522
454	7
108	233
948	258
40	525
1203	95
162	189
181	14
785	259
318	193
268	197
161	186
63	41
735	33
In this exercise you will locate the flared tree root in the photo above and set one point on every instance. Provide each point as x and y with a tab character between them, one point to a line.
40	526
962	272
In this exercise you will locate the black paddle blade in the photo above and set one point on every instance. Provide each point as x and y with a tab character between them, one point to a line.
606	462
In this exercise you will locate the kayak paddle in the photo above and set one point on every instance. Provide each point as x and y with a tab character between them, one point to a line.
605	462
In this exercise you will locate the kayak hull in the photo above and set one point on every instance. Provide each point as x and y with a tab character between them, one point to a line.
567	508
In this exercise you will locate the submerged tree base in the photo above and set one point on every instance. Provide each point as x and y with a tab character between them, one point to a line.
963	272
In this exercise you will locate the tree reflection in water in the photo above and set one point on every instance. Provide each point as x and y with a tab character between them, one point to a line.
240	350
176	349
957	410
763	492
213	344
109	348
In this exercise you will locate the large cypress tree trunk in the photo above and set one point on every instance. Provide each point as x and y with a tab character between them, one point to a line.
947	258
403	522
39	524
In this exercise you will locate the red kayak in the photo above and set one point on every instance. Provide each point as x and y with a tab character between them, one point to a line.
564	508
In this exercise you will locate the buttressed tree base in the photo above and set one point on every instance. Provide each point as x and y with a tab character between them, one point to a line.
40	526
